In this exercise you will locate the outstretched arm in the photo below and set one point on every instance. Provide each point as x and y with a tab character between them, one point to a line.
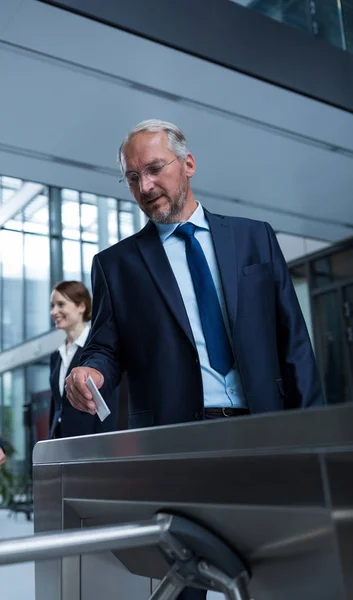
101	356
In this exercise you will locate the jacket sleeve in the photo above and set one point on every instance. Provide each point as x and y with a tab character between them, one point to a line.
102	349
298	366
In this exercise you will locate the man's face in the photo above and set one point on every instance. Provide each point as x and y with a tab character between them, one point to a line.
157	179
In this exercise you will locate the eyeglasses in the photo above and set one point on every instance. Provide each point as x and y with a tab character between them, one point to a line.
151	172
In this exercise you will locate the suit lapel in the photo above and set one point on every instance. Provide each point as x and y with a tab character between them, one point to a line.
156	260
55	375
224	245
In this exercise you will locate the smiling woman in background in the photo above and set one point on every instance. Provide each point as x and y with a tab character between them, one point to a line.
70	309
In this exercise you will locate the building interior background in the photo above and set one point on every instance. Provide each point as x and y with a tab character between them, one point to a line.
70	90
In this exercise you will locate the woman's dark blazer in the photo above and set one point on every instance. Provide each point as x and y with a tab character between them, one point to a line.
74	422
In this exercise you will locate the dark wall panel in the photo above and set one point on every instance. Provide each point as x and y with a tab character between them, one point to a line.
230	35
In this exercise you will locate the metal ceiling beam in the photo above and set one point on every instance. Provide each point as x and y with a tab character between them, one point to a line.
19	201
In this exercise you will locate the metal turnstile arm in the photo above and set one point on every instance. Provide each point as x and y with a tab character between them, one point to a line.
196	557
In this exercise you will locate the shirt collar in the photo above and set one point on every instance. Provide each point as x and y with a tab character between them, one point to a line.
198	218
79	342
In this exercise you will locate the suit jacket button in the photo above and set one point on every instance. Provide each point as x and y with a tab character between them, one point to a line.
198	415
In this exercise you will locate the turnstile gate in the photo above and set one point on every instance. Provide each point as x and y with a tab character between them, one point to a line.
272	493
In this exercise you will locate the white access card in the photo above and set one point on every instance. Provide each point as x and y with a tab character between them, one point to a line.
101	407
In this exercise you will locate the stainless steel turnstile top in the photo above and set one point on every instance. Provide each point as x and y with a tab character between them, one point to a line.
277	487
290	431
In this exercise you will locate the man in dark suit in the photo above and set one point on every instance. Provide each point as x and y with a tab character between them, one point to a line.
198	309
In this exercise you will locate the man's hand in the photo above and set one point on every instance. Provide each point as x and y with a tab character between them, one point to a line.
2	457
77	391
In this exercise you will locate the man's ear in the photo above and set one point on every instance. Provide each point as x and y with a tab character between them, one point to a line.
189	165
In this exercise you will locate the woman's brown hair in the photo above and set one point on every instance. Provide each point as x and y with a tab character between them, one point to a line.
77	292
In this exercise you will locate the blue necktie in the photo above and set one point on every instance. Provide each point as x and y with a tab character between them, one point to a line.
216	338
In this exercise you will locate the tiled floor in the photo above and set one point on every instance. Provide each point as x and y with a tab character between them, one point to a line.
16	581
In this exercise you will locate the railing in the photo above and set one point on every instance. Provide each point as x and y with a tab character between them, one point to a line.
80	541
220	567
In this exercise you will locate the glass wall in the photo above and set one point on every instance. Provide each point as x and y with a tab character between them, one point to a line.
8	187
330	20
333	269
70	223
324	284
12	395
20	390
83	217
24	270
88	224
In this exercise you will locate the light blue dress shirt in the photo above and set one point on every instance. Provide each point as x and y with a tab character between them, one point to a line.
218	390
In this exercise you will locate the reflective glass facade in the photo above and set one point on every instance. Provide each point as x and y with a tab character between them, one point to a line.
24	268
324	284
54	236
330	20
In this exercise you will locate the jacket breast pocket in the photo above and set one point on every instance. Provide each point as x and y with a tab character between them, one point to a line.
256	292
257	268
141	419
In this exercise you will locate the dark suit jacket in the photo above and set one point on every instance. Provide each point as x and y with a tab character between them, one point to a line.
75	422
140	325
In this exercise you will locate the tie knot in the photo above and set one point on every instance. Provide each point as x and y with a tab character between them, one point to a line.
185	231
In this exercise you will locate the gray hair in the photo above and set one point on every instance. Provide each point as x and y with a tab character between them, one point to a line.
176	139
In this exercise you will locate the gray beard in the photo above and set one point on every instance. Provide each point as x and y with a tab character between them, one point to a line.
172	213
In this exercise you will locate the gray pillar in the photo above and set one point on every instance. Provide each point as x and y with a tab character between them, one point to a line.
55	232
